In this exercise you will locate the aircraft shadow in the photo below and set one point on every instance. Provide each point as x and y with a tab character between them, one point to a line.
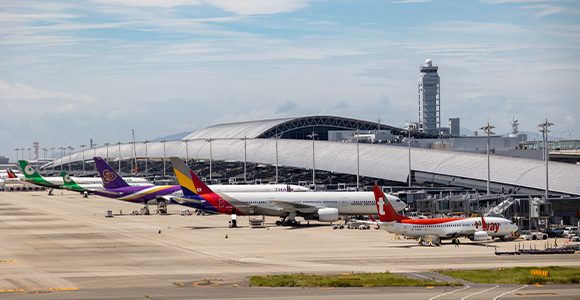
302	226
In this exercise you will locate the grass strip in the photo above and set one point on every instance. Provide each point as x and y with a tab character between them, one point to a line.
518	275
353	280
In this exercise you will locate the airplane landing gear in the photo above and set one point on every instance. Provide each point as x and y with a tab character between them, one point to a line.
290	220
287	222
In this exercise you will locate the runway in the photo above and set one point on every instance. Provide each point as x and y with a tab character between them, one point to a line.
62	247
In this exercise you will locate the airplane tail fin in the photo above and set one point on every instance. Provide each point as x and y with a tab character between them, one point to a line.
11	173
386	211
66	179
483	225
111	180
189	182
27	169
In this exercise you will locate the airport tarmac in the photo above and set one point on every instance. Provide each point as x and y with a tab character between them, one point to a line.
63	247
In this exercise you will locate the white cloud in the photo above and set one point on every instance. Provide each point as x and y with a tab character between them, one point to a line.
18	91
259	7
149	3
545	10
477	28
412	1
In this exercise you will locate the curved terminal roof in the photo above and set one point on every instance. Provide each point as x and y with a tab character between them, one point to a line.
251	129
380	161
289	128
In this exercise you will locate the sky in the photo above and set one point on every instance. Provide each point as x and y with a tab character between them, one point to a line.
71	71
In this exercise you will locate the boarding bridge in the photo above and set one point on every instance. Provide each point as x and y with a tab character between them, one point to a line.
499	209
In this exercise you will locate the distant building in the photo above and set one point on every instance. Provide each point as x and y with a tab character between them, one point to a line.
453	125
3	160
429	98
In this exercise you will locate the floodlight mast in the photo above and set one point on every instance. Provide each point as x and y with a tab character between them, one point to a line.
488	131
313	135
545	131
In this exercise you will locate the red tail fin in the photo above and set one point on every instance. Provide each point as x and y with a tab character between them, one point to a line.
386	211
11	174
483	225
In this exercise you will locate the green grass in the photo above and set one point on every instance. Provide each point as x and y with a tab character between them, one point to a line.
354	280
518	275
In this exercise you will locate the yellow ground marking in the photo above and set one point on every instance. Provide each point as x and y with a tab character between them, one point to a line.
17	279
64	289
428	287
11	261
10	291
535	294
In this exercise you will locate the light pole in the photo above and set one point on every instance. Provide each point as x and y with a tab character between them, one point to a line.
313	135
277	138
357	160
44	149
545	130
210	158
245	158
186	151
22	153
29	154
16	154
146	159
164	141
62	153
52	148
94	146
107	144
131	158
408	131
70	148
119	143
487	130
83	146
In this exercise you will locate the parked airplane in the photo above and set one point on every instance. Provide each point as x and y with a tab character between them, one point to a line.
117	188
31	176
322	206
160	195
10	177
71	184
476	229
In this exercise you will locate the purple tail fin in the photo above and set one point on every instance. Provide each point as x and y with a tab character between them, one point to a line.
111	180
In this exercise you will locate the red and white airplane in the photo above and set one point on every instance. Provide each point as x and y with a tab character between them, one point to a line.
476	229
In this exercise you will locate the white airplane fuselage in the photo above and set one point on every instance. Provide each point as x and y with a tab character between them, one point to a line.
347	203
448	228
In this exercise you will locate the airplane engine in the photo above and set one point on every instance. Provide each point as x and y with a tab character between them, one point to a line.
478	236
328	215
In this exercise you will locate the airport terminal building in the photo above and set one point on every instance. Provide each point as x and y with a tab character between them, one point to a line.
291	142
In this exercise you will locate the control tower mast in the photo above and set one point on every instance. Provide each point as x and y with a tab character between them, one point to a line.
429	97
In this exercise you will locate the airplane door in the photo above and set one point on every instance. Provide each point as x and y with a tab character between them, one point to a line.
345	207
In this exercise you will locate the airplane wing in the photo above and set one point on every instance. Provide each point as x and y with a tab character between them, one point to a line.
457	232
292	207
110	192
183	200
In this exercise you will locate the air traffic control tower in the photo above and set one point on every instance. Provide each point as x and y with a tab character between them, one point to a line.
429	97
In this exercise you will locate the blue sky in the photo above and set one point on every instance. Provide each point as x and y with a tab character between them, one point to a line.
75	70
